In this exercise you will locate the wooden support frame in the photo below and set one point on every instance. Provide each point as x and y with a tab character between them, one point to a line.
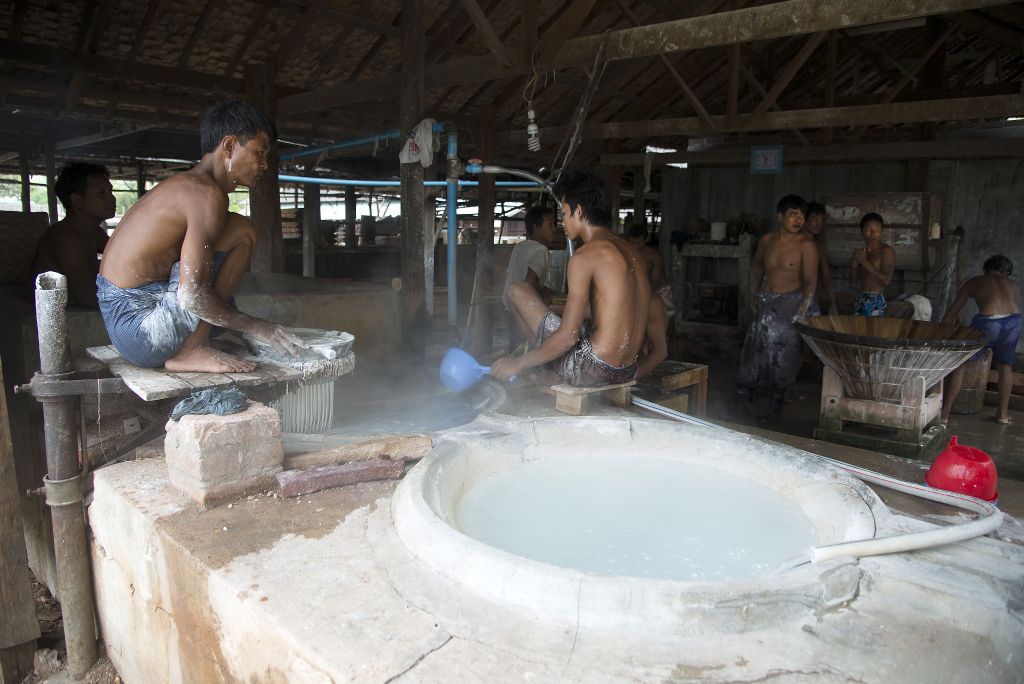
487	32
572	400
787	75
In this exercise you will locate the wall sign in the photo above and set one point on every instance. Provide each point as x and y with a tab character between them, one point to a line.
766	159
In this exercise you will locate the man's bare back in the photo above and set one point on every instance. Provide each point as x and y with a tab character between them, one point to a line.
620	295
996	294
149	238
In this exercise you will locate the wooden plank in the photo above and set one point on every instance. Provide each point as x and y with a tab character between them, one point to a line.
19	624
151	384
401	448
299	482
787	75
571	390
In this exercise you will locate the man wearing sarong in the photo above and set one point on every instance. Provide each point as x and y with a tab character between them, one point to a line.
172	266
607	276
998	300
873	266
787	261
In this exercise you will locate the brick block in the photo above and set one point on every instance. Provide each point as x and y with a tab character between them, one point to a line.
212	457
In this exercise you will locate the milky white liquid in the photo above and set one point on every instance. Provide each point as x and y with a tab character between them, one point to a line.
637	517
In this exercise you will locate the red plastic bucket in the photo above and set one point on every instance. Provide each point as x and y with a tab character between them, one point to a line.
965	470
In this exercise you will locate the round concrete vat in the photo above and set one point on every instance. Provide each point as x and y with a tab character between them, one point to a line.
838	507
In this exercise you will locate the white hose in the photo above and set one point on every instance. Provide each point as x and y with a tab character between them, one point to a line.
990	521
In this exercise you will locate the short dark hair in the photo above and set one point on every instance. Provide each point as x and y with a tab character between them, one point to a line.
871	216
999	264
815	208
535	217
586	189
235	118
791	202
74	177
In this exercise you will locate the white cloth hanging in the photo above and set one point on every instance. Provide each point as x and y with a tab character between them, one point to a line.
419	146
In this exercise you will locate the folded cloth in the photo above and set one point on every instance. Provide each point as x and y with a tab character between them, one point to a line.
216	400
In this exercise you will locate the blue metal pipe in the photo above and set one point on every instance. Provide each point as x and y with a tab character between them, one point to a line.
284	178
357	142
453	223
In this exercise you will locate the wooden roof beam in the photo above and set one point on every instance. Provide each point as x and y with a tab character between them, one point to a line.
787	75
952	109
756	85
996	31
298	33
197	30
107	134
680	81
487	32
762	22
909	76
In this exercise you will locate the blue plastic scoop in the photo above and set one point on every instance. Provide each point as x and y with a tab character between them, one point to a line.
460	371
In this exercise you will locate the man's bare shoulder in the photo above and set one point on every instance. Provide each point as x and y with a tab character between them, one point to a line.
195	185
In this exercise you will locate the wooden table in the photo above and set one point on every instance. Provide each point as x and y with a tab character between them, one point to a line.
151	384
674	376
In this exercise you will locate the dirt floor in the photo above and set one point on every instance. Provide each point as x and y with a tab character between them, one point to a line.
51	657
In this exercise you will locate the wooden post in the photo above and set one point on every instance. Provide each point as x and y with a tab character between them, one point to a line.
51	179
830	77
26	183
483	282
639	205
18	628
310	226
614	176
264	197
350	216
140	179
732	112
414	241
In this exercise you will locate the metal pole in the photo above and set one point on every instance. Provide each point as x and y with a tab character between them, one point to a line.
63	481
453	223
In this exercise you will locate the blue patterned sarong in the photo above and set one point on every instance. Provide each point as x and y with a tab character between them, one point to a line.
146	324
869	304
1003	333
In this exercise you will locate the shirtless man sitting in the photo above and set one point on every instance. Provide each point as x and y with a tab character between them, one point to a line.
873	265
814	228
172	265
655	265
605	274
998	300
71	245
788	261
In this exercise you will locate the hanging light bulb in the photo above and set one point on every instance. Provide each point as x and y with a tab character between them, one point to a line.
532	133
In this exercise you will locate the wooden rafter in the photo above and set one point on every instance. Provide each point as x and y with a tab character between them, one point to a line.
567	25
298	33
335	47
107	134
197	31
756	85
830	76
255	25
1010	37
761	22
676	76
787	75
487	32
996	106
911	73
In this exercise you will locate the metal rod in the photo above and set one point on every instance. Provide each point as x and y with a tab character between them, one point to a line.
357	142
479	168
63	481
284	178
453	226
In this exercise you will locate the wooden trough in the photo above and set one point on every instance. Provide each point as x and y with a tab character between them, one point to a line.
885	373
876	358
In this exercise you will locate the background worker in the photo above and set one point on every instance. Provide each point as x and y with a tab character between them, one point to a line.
530	262
814	228
72	245
787	261
998	300
873	266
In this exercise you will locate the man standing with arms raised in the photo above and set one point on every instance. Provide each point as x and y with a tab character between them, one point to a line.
788	262
172	265
873	265
606	275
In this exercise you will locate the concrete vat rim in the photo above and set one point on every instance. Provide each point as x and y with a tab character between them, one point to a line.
572	597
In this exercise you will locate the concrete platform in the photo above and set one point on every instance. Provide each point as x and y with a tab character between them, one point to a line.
321	588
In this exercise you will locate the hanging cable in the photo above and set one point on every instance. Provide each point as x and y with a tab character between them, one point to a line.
569	145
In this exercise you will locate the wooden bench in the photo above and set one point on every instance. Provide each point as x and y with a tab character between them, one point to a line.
676	379
570	399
